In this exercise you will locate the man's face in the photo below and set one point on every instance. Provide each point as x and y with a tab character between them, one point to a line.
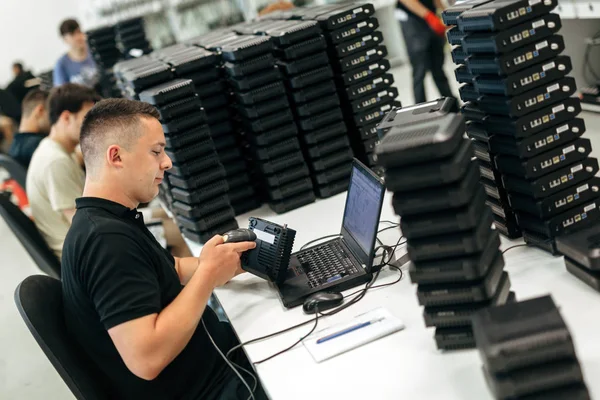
146	161
16	71
75	40
76	120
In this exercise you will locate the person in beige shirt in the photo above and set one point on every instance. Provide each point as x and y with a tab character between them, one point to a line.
55	178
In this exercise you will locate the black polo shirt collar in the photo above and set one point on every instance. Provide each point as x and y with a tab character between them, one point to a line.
112	207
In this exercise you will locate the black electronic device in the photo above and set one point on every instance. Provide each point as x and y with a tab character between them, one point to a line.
195	166
456	269
463	75
517	60
525	334
342	15
192	152
374	114
547	162
249	82
345	262
324	163
239	235
355	45
439	198
187	138
261	94
183	123
197	181
518	383
559	202
540	241
279	164
313	92
500	15
521	81
454	338
200	210
369	86
424	112
273	136
456	245
520	105
430	174
264	108
451	14
459	315
318	106
179	108
554	182
146	77
459	56
468	93
582	247
287	190
200	195
361	58
507	227
289	175
292	203
370	70
203	237
588	276
335	174
576	218
455	36
207	222
246	47
270	121
248	67
311	77
446	221
512	38
270	259
287	146
303	65
330	146
438	294
352	31
192	60
536	144
287	33
322	301
320	120
302	49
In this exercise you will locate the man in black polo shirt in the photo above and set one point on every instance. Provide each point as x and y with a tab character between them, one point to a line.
424	36
139	313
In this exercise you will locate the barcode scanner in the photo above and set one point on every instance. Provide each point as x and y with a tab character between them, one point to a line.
239	235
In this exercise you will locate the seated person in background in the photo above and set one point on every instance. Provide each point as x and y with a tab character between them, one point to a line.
139	313
35	125
19	86
77	66
54	178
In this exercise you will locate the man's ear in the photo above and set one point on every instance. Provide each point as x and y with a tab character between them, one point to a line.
66	116
39	110
114	155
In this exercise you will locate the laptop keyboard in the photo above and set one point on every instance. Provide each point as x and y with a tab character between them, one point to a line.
326	264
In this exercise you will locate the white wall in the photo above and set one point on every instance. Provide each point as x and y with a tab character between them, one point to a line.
29	33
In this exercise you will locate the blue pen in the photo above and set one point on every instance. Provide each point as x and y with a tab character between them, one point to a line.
347	330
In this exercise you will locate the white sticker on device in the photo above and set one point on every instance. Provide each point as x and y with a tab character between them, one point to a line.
583	188
264	236
539	23
589	207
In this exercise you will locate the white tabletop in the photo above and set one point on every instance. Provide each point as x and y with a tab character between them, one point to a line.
406	364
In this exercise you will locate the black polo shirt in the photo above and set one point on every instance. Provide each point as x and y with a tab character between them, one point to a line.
114	271
429	4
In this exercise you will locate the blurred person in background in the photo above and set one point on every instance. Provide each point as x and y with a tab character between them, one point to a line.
77	66
35	126
424	35
20	84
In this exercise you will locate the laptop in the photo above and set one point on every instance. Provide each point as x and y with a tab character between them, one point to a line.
347	261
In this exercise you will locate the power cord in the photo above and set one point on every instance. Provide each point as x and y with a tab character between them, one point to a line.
229	363
515	246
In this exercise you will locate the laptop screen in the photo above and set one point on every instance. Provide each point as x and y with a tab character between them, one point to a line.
362	212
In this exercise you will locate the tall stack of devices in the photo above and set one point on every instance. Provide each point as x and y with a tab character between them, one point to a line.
527	352
455	260
197	180
523	119
203	67
138	74
301	56
103	48
358	58
131	37
265	116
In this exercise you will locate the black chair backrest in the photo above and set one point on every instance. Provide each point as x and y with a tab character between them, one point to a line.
39	300
29	236
15	170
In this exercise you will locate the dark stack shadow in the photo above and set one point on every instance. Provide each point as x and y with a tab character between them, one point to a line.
455	260
131	37
522	118
301	57
103	47
528	352
197	181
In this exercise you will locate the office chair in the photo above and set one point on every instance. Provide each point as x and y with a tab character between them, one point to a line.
29	236
39	301
16	170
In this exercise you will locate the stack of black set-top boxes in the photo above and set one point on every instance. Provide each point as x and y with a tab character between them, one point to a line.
301	56
264	115
203	68
103	47
523	118
136	75
528	353
197	183
131	35
453	249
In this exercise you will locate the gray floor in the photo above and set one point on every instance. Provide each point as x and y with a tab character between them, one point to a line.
25	373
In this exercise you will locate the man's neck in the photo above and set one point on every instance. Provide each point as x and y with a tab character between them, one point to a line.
94	188
59	137
29	126
78	54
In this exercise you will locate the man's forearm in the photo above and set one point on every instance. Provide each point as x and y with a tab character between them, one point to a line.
415	7
186	267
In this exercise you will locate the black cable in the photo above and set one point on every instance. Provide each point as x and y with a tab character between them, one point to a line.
515	246
294	345
388	228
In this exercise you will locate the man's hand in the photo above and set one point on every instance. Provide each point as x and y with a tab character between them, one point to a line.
435	23
220	261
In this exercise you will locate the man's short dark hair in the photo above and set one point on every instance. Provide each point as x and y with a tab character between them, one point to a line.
68	26
34	98
18	66
119	118
69	97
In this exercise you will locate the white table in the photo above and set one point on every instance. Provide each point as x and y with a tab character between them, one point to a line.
406	364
